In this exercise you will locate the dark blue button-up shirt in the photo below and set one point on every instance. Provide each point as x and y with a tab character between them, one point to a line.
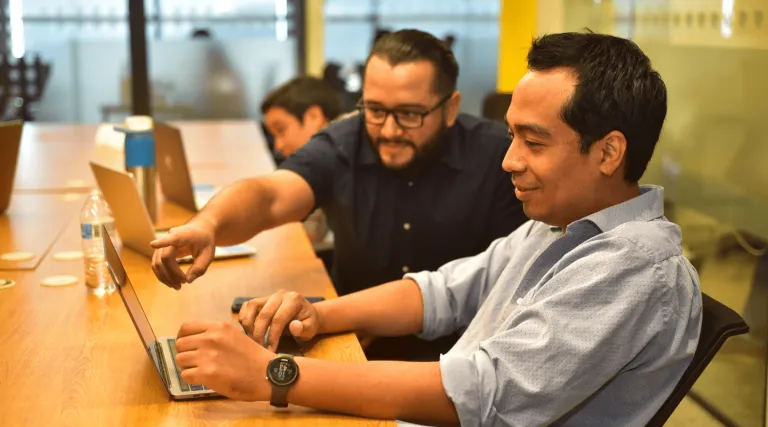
386	224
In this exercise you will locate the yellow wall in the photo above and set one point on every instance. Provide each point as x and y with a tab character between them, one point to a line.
712	151
517	27
551	17
315	40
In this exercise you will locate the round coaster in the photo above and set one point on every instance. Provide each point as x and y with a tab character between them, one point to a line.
70	197
68	256
77	183
5	283
59	281
17	256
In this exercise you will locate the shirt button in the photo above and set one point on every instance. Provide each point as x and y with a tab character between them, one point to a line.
405	269
407	226
410	183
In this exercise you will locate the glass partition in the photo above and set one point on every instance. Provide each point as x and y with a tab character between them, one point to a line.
711	159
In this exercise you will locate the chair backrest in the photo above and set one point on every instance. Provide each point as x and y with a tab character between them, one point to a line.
718	324
495	106
21	84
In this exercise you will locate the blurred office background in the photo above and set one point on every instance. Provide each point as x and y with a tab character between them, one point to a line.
713	56
216	59
206	59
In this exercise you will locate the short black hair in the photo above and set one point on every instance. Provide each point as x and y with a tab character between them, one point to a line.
300	93
617	90
410	45
201	33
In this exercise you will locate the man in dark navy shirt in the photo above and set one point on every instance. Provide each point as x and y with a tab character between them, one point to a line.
408	184
389	221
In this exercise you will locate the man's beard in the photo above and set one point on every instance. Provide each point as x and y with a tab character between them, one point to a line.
421	156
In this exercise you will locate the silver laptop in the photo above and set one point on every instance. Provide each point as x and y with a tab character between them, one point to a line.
162	351
173	170
132	219
10	140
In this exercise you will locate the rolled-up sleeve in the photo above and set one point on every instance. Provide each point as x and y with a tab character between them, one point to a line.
453	293
566	340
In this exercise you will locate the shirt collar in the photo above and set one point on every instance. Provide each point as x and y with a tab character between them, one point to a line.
451	155
649	205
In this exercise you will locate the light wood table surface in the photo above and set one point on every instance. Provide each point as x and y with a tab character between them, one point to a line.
54	158
32	224
70	358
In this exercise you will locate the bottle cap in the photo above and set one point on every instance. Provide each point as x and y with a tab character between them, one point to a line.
139	123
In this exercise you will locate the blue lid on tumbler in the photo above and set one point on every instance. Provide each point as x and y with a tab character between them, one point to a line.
139	142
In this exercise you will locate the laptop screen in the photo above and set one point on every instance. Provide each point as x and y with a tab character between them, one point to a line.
125	289
10	139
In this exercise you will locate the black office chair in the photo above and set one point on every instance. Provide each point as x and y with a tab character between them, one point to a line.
495	106
22	81
718	324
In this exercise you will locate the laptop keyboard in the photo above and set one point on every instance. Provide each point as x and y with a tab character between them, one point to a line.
184	386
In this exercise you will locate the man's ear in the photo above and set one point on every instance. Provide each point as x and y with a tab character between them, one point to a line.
452	108
314	118
613	153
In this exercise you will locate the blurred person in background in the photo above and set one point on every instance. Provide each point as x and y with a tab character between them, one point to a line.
294	112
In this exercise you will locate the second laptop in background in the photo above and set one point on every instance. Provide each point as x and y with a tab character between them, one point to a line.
173	170
10	141
132	219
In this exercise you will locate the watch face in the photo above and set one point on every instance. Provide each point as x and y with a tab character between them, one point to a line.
282	371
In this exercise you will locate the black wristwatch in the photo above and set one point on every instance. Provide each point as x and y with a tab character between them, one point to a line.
282	371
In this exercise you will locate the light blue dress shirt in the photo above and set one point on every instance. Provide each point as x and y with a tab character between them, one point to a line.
593	327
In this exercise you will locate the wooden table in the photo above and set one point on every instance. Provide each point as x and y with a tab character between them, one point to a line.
32	224
71	358
54	158
68	357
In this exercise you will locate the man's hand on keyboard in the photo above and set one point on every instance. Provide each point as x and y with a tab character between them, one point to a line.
221	357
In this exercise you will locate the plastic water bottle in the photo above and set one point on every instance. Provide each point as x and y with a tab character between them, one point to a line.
95	214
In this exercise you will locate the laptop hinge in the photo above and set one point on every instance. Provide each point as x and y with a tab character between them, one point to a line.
163	367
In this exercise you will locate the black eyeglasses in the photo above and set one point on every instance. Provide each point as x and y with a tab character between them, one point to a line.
406	119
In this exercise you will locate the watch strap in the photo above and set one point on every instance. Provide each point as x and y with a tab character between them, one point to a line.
279	396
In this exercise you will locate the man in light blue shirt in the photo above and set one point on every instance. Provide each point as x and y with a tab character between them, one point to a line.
596	334
586	315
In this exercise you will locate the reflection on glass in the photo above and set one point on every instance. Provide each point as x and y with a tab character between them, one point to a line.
711	159
281	13
725	23
471	25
